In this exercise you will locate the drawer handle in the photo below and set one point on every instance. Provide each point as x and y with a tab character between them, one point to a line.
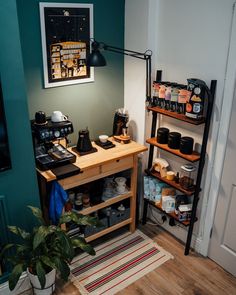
81	171
118	160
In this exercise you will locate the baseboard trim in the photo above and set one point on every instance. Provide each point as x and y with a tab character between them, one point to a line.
22	286
198	245
179	232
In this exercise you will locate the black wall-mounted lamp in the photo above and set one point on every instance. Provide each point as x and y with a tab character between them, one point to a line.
96	59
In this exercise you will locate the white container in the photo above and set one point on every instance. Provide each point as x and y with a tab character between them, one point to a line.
49	285
120	184
103	138
168	204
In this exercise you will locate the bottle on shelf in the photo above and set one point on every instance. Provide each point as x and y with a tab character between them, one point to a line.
78	202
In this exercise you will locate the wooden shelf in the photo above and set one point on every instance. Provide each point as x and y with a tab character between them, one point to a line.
108	230
171	183
177	116
173	215
194	157
107	203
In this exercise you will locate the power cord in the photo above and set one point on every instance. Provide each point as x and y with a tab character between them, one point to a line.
155	219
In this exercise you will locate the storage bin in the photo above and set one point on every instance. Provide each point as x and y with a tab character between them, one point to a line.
117	217
91	230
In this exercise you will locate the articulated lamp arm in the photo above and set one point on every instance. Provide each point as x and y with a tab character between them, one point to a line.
96	59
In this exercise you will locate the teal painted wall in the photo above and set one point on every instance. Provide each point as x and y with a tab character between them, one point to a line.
18	185
88	104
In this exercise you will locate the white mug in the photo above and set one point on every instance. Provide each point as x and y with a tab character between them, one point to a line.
57	116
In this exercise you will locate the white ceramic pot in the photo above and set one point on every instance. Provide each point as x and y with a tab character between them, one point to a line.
49	285
120	184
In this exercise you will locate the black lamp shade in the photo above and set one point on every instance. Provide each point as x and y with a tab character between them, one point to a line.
96	59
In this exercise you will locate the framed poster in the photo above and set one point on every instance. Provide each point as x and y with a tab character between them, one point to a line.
66	31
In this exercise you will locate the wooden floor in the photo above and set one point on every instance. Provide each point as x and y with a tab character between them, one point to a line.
185	275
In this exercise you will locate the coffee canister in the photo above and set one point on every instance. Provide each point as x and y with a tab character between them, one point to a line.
195	107
174	140
162	135
186	145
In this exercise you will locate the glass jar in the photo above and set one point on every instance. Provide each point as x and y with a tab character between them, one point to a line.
186	179
86	200
78	202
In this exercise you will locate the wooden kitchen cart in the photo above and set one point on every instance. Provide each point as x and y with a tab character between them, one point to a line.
96	166
194	157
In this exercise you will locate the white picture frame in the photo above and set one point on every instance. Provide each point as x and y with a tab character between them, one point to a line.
66	33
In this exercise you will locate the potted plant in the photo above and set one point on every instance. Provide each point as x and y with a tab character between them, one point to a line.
45	250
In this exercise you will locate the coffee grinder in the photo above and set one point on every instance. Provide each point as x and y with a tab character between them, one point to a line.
121	119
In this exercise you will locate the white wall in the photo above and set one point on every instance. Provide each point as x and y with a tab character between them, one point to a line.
188	39
136	29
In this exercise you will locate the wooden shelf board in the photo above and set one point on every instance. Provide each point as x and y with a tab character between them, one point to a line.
173	215
108	230
105	204
177	116
194	157
171	183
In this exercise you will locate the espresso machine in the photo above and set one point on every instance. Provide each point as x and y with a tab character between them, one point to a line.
49	153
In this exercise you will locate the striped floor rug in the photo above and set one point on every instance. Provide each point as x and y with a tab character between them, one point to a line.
118	263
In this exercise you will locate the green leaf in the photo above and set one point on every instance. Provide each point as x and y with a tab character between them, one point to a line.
22	248
37	213
40	273
65	218
7	247
82	244
86	220
18	231
15	275
41	234
62	267
48	261
66	244
79	219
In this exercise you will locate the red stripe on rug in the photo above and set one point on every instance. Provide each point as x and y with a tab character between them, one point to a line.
126	266
131	275
104	247
113	262
74	271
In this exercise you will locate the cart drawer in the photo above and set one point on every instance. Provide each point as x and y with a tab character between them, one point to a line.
118	165
84	176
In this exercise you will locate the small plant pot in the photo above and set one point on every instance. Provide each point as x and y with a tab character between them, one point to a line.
49	285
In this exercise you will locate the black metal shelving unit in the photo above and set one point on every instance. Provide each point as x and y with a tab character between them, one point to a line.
201	159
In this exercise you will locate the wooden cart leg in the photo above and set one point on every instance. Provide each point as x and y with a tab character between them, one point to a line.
134	194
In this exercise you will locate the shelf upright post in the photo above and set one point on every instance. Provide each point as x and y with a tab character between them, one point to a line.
150	159
154	123
153	133
211	96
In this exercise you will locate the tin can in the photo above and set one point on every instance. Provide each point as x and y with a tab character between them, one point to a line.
168	95
183	97
162	92
195	107
174	97
155	89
